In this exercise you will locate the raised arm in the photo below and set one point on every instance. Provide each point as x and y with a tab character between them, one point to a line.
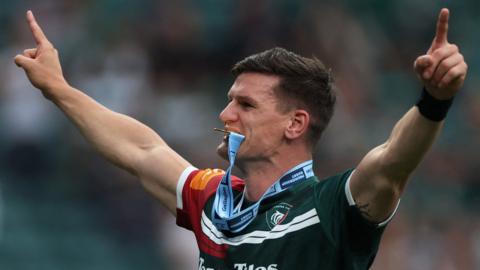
122	140
380	178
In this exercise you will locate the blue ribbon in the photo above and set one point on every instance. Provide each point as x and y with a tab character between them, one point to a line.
226	216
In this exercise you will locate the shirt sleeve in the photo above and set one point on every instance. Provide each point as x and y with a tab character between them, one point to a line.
342	221
194	188
351	202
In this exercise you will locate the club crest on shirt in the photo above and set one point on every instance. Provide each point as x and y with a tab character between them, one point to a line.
277	214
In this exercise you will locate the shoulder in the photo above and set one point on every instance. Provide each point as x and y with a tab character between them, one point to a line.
195	188
203	181
336	181
332	193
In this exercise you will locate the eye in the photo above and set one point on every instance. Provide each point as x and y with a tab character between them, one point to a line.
246	105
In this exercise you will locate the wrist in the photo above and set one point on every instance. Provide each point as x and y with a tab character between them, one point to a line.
433	108
54	90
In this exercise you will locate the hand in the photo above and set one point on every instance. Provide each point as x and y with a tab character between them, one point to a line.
443	69
41	64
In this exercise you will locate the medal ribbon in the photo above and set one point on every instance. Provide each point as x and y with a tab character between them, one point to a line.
228	217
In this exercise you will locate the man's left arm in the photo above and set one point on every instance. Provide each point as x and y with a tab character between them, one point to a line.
379	180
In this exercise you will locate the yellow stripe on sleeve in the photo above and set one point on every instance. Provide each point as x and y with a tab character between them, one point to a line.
201	179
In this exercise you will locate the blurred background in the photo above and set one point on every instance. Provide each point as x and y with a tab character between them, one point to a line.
167	64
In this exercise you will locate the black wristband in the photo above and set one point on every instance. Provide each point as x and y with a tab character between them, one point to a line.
432	108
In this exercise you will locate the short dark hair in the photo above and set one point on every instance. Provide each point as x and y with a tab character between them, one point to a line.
305	83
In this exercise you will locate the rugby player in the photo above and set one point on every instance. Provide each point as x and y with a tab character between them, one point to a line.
279	216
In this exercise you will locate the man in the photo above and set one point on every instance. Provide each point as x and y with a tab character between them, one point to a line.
279	216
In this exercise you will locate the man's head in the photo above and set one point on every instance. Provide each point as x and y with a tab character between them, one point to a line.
278	99
304	83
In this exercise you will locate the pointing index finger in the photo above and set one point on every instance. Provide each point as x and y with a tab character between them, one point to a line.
442	27
37	32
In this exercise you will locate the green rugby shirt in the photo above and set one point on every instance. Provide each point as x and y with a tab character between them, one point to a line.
313	225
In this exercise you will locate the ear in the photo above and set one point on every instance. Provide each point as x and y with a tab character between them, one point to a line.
298	124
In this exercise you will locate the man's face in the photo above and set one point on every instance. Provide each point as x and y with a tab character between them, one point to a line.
252	111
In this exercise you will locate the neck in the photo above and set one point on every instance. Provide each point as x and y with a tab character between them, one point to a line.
260	175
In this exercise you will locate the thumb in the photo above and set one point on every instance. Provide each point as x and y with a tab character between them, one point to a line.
421	64
23	61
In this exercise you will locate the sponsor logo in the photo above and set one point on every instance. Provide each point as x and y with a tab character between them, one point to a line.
277	214
244	266
239	266
203	267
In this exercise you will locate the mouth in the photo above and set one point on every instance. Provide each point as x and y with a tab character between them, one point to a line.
223	147
222	130
226	132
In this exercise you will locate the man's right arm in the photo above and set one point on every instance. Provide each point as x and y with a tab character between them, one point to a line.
125	142
122	140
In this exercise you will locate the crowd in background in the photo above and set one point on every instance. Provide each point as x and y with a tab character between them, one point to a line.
167	63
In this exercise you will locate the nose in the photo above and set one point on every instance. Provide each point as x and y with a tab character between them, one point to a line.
228	114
